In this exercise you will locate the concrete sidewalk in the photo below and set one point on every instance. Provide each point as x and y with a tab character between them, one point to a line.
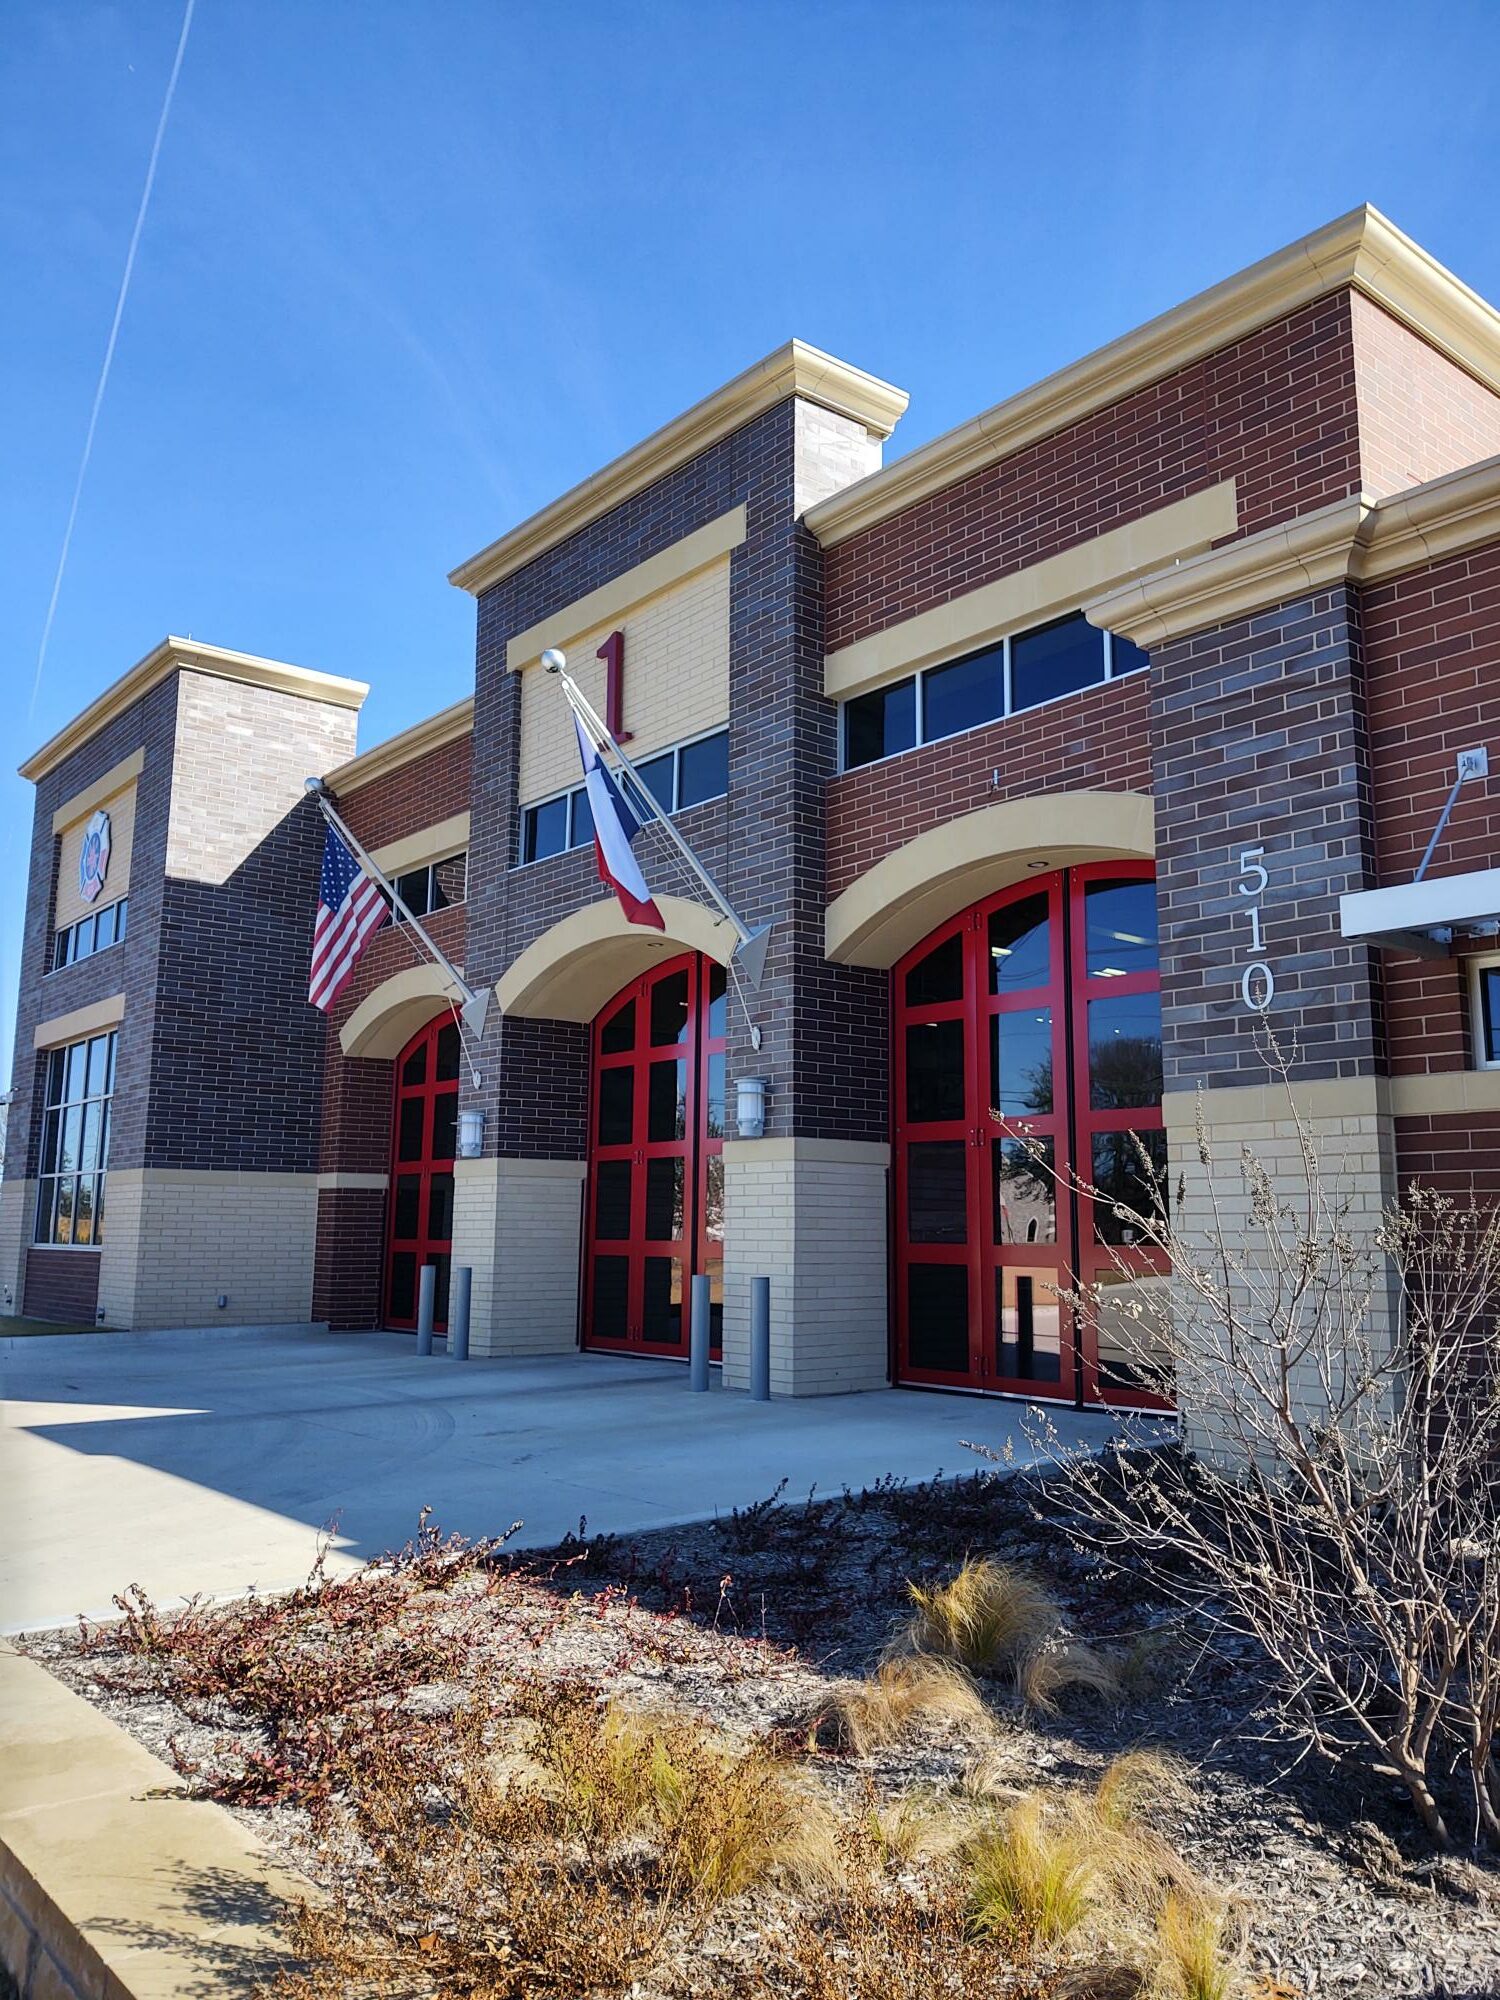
211	1461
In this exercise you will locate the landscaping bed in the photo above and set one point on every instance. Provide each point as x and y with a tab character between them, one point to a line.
740	1758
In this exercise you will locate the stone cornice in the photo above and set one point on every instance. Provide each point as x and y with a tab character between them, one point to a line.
165	659
383	758
793	370
1360	539
1279	564
1362	249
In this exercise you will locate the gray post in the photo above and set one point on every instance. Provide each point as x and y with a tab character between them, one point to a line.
698	1335
760	1340
426	1298
458	1313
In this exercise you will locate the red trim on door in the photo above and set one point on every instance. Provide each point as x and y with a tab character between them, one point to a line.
655	1204
990	1018
419	1211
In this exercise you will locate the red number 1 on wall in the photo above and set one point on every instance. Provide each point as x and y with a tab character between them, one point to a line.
612	652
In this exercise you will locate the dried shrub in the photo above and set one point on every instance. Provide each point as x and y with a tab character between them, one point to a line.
904	1694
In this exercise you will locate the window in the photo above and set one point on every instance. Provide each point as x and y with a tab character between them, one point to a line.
434	887
1484	1010
685	776
80	1082
95	932
1020	672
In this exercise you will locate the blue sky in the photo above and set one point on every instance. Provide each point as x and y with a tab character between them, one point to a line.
412	269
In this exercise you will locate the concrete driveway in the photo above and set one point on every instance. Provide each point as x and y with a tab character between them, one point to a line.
211	1461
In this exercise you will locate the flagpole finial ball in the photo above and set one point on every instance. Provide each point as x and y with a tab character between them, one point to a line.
553	660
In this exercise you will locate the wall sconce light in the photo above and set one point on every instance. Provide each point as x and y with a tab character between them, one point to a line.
470	1134
750	1108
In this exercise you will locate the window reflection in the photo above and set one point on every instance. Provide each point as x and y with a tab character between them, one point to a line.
1125	1051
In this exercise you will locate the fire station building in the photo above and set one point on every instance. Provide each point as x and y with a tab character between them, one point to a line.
1063	754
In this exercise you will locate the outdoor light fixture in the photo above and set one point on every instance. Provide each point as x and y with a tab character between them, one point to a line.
470	1134
750	1111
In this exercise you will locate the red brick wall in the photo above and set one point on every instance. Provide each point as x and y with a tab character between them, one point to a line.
1419	414
1094	741
1276	411
1459	1154
1432	652
419	794
61	1285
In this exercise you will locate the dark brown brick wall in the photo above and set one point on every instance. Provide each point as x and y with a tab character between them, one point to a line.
1458	1154
1095	741
350	1261
1275	411
1259	739
62	1284
770	831
1432	643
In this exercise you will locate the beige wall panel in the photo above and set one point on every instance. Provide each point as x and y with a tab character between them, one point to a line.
70	905
810	1215
518	1224
174	1240
676	681
17	1207
60	1029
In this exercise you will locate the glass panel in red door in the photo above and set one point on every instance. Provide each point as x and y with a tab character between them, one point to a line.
424	1124
655	1189
1027	1053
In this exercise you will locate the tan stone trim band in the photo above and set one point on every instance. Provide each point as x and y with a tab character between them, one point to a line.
1439	1094
90	1020
360	1183
103	1859
1362	249
203	1177
115	779
165	659
1028	596
520	1169
839	1152
417	850
383	758
793	370
612	600
1361	539
1445	1093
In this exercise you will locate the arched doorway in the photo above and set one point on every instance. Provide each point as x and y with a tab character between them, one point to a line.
424	1140
656	1169
1041	1005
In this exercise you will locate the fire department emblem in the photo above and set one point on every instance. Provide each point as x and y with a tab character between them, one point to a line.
93	858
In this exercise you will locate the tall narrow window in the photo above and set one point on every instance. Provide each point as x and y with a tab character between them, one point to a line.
80	1083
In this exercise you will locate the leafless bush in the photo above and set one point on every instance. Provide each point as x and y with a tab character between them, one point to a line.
1339	1374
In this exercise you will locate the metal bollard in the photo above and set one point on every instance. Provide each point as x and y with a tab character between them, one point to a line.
698	1335
426	1299
458	1313
760	1340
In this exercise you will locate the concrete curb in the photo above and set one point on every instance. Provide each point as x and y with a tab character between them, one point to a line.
113	1885
174	1332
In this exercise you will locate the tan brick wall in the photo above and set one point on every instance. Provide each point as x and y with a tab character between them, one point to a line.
518	1225
121	810
676	681
810	1215
17	1207
1351	1126
173	1240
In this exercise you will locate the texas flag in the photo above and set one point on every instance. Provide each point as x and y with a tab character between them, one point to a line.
616	824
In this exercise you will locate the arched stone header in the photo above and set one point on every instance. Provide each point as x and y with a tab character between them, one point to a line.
894	905
569	972
385	1020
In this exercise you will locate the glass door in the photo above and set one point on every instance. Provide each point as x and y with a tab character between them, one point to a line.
424	1140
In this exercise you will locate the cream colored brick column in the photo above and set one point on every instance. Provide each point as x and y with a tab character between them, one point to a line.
120	1249
518	1224
1351	1127
17	1203
810	1215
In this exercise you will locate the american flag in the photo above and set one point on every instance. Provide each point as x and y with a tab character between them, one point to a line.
350	911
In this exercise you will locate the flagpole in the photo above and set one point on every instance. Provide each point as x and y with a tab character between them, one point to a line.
751	949
476	1005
